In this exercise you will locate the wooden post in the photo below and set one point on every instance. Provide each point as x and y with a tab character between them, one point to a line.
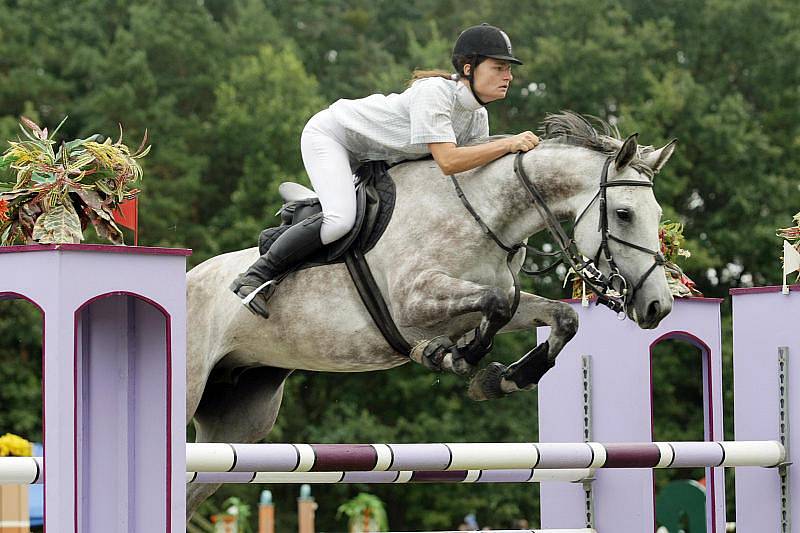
14	517
306	508
266	513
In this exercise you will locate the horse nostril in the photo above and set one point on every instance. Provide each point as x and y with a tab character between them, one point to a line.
653	310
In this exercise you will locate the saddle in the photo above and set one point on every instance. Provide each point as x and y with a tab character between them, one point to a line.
375	198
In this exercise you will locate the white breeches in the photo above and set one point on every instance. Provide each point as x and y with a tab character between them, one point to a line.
328	164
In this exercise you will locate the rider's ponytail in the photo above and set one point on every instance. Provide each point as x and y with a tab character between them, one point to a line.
458	62
419	74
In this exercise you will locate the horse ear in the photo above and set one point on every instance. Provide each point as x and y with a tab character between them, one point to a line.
658	158
627	152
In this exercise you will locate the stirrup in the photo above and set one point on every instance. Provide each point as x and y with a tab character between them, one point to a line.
249	298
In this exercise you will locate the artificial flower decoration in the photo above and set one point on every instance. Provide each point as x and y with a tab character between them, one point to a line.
50	192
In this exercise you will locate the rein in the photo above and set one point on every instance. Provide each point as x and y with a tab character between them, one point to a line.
584	268
511	251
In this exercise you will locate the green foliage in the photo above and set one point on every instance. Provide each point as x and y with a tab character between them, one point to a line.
51	193
365	512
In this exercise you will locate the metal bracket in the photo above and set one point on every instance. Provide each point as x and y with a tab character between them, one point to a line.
588	491
783	468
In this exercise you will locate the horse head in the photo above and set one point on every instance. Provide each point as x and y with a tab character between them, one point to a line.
619	229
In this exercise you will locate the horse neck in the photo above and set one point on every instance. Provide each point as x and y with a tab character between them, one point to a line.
566	176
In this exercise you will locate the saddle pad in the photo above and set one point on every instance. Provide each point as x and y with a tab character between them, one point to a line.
380	190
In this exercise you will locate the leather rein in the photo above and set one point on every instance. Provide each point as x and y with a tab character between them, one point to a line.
585	269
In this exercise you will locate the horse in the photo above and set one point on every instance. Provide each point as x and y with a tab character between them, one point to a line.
448	286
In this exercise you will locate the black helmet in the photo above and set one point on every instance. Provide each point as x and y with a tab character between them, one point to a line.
484	40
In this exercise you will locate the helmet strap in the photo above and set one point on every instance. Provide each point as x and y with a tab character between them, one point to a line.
471	78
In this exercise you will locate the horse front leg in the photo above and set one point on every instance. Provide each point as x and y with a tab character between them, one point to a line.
433	298
497	380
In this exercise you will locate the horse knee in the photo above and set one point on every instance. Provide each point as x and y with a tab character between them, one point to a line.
566	322
495	305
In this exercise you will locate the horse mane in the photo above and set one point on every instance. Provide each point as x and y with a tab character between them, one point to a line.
570	128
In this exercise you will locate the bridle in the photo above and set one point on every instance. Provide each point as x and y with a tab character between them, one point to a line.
584	268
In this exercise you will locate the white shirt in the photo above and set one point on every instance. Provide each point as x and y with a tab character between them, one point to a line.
397	127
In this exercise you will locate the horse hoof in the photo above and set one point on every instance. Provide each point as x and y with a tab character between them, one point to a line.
486	383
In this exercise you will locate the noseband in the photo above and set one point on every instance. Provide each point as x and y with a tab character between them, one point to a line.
585	269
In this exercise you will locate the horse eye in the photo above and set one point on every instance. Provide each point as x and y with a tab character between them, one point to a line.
624	215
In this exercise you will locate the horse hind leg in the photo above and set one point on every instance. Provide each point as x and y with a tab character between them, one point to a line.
497	380
240	412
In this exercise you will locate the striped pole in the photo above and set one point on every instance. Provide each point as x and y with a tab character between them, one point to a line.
28	470
21	470
379	477
211	457
266	460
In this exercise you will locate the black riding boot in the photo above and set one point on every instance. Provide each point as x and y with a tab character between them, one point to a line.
255	286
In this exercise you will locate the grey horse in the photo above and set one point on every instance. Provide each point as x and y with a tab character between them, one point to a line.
441	276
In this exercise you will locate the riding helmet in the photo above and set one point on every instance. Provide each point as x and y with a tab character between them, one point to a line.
484	40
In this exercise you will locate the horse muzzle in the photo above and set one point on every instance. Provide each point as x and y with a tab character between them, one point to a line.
649	312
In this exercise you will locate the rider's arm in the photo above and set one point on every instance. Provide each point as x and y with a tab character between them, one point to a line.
453	159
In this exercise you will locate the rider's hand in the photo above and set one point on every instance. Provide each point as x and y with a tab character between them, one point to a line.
522	142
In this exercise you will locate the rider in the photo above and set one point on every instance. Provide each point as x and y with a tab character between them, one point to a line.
438	115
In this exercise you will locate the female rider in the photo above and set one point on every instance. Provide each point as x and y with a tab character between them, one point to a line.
438	115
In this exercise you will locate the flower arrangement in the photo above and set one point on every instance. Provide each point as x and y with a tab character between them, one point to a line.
50	193
670	235
792	235
13	445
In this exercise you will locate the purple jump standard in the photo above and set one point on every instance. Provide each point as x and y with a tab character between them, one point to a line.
608	365
213	457
113	382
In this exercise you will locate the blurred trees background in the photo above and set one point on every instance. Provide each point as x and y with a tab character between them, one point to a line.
225	87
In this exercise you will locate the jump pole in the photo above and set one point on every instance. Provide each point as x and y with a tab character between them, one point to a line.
30	470
217	457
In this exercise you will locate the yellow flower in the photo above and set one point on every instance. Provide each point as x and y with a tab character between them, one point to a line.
14	445
23	154
107	155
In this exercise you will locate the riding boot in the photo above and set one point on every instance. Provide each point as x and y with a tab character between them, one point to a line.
256	285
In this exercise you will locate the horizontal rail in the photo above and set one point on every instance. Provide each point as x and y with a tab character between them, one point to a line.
476	462
29	470
378	477
211	457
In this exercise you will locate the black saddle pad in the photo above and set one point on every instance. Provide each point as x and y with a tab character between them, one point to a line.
375	199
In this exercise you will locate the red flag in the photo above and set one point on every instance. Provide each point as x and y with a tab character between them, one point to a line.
127	215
